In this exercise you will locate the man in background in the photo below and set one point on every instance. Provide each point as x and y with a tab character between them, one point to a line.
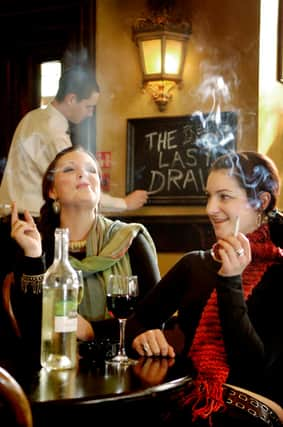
42	133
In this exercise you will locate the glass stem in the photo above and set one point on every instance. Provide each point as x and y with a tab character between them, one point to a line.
122	324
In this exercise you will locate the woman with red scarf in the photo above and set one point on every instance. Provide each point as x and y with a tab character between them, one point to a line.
226	302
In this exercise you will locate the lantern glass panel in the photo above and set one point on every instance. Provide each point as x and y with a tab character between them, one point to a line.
173	57
152	56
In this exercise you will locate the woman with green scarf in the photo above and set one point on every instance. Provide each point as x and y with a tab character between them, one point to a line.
98	246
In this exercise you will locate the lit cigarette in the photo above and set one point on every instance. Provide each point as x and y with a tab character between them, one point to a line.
5	209
237	224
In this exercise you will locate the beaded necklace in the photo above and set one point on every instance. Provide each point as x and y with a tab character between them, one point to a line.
77	245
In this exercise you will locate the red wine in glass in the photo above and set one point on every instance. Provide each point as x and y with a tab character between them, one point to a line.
121	296
121	305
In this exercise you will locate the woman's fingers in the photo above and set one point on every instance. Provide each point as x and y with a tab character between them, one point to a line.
235	246
157	343
22	227
235	255
29	218
153	343
17	225
26	234
245	244
14	213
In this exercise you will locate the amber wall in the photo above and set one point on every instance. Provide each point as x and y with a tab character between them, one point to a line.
223	47
270	89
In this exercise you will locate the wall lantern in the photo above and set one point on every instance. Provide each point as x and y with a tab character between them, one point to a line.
162	48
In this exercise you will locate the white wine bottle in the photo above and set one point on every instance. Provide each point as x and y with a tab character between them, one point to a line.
60	290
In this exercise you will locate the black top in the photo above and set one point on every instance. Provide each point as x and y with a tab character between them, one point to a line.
27	305
252	330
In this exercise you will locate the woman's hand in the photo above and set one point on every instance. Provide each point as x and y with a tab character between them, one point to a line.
26	233
153	343
235	255
85	331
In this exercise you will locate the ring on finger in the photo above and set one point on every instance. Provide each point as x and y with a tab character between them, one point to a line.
146	347
240	252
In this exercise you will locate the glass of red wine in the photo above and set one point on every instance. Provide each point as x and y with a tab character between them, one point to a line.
122	293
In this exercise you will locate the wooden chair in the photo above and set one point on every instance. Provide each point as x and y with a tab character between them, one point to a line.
6	296
275	407
17	406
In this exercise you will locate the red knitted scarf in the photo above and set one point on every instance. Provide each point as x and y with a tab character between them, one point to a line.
207	351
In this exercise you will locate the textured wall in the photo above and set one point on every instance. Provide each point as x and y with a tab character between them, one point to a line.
221	71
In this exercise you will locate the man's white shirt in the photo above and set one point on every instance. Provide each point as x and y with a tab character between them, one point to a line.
39	136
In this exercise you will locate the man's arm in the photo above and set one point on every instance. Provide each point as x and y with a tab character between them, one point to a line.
132	201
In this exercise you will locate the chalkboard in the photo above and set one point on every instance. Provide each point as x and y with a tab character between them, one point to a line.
170	156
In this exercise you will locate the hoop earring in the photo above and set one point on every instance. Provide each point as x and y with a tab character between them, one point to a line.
56	207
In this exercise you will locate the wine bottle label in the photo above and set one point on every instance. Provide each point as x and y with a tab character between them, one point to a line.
65	324
65	316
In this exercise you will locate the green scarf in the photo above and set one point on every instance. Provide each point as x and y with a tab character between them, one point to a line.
106	253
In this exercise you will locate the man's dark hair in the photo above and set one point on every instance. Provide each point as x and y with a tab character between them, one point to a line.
78	80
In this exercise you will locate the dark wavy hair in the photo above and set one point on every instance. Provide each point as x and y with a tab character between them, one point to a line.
49	220
256	173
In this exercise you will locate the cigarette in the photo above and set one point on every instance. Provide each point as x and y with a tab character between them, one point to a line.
151	192
5	209
237	224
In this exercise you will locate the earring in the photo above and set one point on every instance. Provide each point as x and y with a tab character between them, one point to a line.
56	207
259	219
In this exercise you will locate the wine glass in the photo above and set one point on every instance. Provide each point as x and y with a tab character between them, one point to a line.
122	293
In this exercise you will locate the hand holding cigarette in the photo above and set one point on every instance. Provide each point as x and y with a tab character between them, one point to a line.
216	246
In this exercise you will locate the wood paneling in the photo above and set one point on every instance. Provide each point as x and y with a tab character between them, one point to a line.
44	28
176	233
31	32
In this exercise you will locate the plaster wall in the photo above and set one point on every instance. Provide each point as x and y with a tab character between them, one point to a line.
221	72
270	89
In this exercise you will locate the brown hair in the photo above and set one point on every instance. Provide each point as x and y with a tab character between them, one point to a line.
254	172
49	220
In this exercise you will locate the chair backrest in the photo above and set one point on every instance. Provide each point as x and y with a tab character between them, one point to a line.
274	406
6	297
18	406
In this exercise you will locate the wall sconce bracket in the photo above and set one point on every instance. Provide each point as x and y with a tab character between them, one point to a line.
161	92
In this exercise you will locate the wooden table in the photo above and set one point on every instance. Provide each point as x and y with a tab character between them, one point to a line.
127	396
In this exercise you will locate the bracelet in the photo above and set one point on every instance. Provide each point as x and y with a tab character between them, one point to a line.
33	282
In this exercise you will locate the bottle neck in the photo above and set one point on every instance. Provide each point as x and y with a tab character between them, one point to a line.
61	251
